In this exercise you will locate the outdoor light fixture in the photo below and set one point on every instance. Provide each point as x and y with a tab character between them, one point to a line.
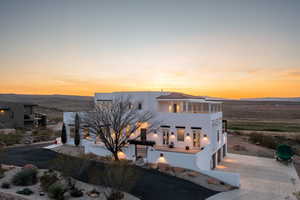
188	134
172	133
161	155
1	111
205	136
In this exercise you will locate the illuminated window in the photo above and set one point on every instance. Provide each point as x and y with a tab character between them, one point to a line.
180	134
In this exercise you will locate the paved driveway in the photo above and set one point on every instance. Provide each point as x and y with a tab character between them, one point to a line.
151	184
261	179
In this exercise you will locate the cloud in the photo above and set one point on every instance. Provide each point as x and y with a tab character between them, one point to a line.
294	74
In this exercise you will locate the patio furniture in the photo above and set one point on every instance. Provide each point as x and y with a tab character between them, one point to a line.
284	153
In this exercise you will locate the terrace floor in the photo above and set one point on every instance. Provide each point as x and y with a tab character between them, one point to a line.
261	179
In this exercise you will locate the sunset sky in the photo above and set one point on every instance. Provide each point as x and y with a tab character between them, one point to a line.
222	48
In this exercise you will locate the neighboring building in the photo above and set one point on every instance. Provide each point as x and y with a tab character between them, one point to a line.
20	115
192	133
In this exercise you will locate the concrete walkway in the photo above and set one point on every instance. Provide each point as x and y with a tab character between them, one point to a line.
261	179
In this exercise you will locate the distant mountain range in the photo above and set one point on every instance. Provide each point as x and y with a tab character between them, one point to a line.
293	99
57	97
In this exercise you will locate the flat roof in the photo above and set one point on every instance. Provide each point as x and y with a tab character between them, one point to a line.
177	95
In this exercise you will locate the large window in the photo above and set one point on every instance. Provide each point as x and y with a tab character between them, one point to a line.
180	134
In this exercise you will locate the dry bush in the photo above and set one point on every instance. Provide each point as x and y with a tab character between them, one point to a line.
264	140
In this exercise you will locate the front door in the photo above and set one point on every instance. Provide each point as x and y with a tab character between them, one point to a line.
166	136
196	138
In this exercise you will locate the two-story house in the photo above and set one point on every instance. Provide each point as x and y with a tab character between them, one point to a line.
191	134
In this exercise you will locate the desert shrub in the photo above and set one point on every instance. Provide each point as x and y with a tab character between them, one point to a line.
255	137
297	139
57	191
75	192
12	138
25	191
91	156
269	142
117	176
1	172
116	196
48	179
25	177
5	185
238	132
43	135
264	140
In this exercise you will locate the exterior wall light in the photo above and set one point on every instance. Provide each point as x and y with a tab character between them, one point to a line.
2	111
172	133
205	136
161	155
188	134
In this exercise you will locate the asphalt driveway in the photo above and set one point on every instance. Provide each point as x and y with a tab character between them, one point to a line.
151	184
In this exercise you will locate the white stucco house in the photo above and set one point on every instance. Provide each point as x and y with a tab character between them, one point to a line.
192	132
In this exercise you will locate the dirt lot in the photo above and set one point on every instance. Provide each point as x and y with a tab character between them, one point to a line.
247	148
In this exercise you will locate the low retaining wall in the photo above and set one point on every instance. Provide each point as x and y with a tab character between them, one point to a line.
227	177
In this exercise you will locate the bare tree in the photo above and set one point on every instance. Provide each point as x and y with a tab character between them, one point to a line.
116	121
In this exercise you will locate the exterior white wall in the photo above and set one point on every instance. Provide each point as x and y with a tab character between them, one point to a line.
148	99
183	160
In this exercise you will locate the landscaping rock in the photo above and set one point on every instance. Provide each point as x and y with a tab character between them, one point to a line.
192	174
213	181
163	167
153	165
178	170
30	166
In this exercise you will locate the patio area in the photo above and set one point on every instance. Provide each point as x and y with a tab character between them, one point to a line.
261	179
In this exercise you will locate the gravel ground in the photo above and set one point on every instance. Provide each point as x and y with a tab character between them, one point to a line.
150	185
36	189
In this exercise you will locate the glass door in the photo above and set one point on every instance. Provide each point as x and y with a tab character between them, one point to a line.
196	138
166	136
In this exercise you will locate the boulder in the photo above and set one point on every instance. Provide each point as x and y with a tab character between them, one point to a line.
30	166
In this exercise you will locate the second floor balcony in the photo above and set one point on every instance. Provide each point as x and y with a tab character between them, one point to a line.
189	106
